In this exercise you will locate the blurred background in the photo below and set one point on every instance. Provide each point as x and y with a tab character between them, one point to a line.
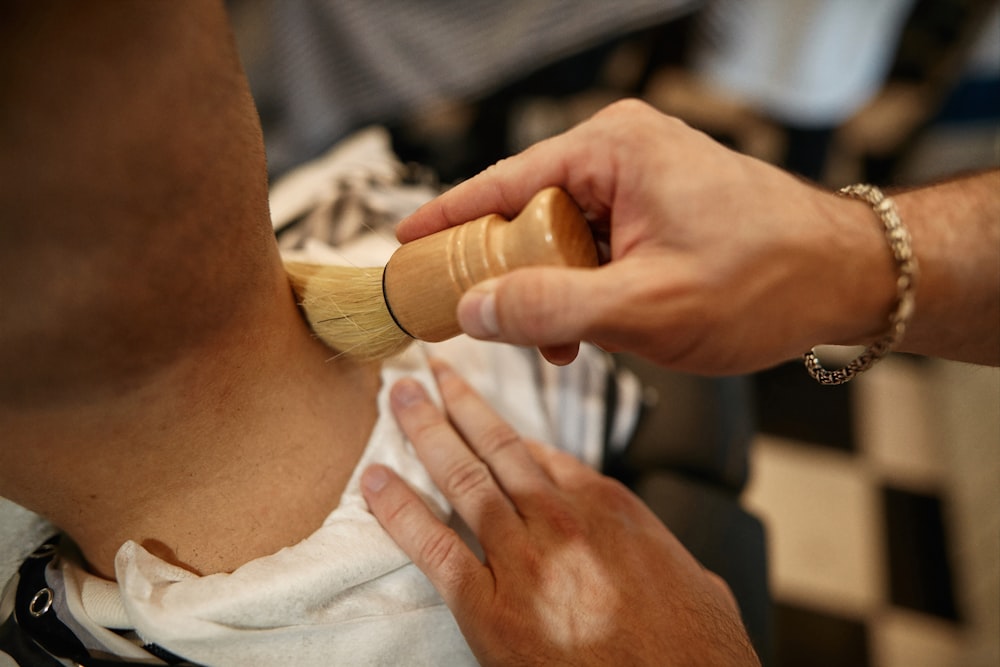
880	499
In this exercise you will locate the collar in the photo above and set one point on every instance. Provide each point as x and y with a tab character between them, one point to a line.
31	632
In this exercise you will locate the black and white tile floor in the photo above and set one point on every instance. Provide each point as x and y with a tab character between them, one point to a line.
882	502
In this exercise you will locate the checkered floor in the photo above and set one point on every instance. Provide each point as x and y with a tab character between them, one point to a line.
882	502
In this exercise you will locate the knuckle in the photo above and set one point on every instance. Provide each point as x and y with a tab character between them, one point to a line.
627	106
496	438
609	494
535	308
617	498
436	551
429	431
611	488
466	478
399	513
563	521
568	526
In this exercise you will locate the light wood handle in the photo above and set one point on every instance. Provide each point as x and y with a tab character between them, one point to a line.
424	279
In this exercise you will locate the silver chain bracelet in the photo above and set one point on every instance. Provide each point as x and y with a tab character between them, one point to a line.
902	251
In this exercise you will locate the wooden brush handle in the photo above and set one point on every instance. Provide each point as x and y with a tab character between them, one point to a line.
424	279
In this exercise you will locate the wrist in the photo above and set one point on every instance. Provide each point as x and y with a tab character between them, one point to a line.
861	287
897	237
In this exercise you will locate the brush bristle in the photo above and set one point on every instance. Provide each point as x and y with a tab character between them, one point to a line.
346	310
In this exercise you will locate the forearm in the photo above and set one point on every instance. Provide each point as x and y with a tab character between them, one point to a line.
956	237
132	162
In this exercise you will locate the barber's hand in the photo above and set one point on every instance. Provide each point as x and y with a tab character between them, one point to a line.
577	571
720	263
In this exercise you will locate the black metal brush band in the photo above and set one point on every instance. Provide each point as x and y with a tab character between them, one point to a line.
388	307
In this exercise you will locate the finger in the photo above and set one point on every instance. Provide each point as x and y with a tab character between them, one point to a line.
564	469
434	547
463	477
489	436
547	307
504	188
560	355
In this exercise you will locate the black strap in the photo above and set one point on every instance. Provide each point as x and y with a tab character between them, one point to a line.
33	634
15	643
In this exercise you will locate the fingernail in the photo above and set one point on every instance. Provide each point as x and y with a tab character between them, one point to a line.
477	311
374	478
406	392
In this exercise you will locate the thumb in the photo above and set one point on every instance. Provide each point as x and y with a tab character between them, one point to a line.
540	306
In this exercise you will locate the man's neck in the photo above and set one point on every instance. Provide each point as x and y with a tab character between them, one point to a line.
238	450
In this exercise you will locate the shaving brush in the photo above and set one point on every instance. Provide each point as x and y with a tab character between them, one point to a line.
374	313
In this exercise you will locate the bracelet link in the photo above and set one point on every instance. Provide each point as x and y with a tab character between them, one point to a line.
898	238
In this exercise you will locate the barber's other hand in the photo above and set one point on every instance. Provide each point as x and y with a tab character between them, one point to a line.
720	263
577	571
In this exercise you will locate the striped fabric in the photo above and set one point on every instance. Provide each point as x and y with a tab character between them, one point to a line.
322	68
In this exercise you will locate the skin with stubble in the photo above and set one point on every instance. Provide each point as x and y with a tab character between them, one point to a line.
154	369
